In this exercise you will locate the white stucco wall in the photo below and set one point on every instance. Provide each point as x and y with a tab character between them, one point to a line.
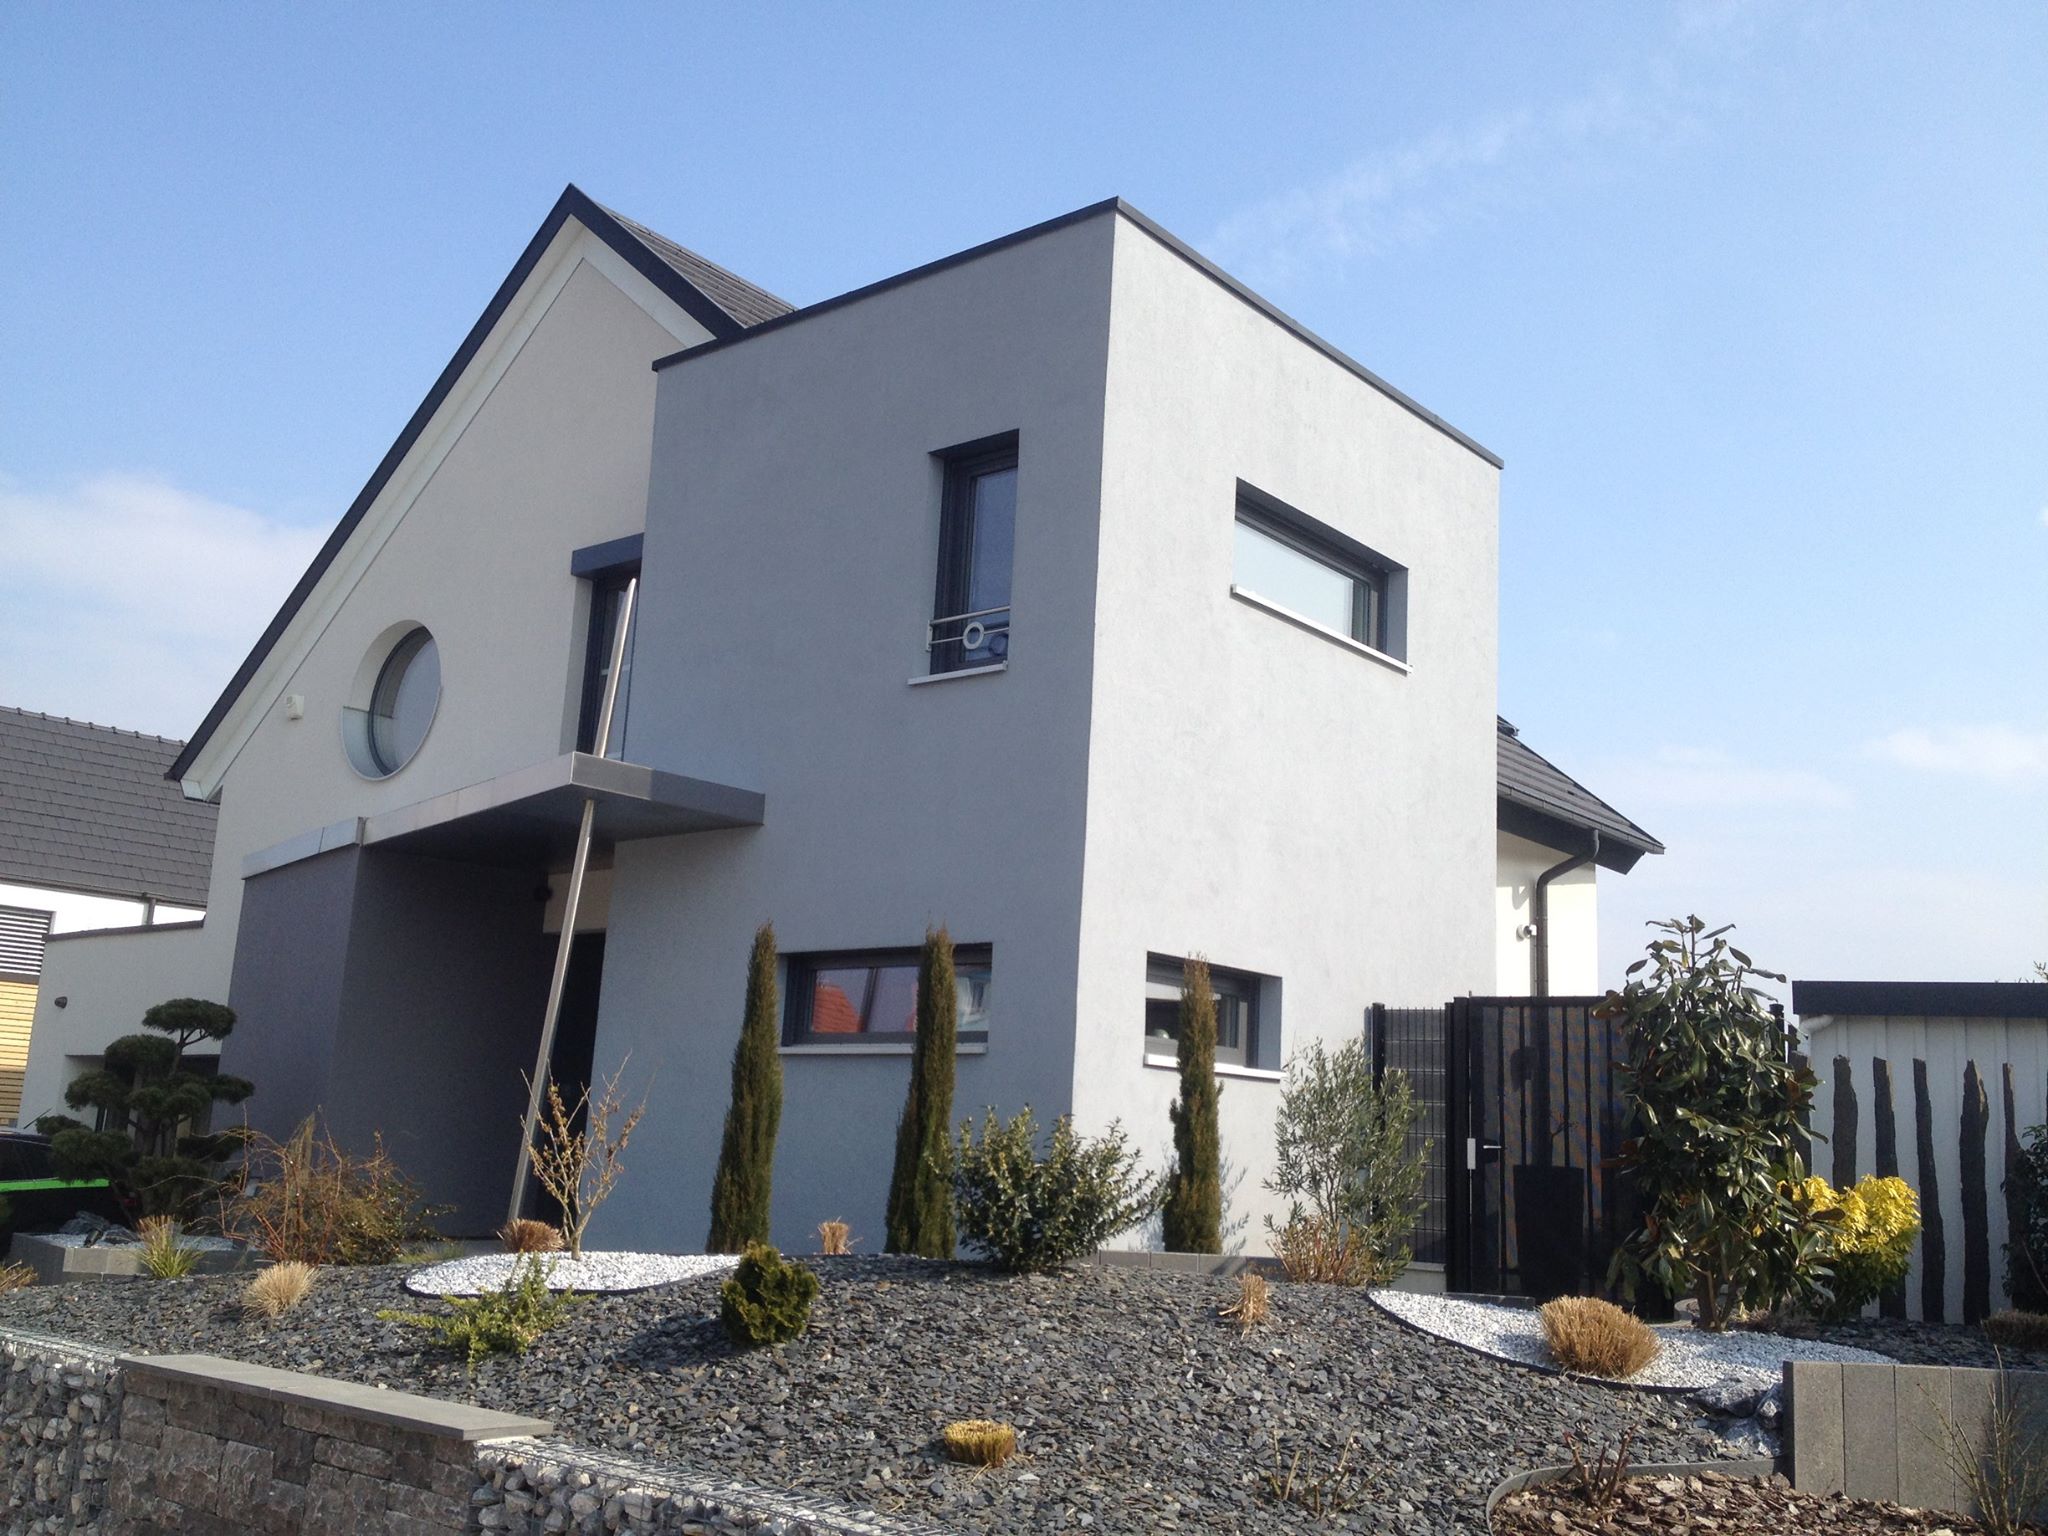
791	545
80	912
1574	920
108	980
1257	792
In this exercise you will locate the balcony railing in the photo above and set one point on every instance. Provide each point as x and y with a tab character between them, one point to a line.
980	638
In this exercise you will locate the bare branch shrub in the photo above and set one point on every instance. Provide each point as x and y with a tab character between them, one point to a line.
306	1199
576	1151
1600	1483
1318	1251
1320	1493
1254	1303
2006	1473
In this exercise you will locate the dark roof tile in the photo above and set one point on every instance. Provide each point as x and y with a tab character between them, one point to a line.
86	807
1530	780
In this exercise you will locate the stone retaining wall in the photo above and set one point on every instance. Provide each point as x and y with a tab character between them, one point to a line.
98	1444
1884	1431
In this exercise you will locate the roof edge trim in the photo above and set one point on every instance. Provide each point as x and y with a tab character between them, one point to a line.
575	204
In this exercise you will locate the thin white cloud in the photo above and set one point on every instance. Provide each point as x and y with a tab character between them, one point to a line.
1410	192
128	601
1713	777
1998	754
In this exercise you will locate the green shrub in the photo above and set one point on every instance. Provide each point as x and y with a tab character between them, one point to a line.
1024	1212
1718	1115
741	1188
767	1300
920	1209
2026	1246
1191	1216
505	1321
2018	1330
305	1199
1869	1240
1342	1160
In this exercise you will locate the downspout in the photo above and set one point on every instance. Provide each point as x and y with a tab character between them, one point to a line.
1539	917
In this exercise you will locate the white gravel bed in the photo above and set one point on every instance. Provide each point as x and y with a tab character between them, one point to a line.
593	1272
185	1240
1689	1358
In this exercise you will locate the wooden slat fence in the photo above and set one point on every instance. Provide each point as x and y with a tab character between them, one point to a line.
1967	1090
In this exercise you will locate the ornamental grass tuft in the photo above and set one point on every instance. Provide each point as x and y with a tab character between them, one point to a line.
979	1442
163	1257
275	1291
834	1238
1596	1337
767	1300
522	1234
2018	1330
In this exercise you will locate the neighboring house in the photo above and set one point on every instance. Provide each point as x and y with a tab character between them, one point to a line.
1555	837
92	839
1062	591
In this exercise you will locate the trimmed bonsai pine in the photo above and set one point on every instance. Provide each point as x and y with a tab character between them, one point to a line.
1191	1221
741	1188
767	1300
920	1215
148	1099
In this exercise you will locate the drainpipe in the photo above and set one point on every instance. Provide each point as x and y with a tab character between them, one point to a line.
1539	917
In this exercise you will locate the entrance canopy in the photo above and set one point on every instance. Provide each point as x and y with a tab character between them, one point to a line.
528	818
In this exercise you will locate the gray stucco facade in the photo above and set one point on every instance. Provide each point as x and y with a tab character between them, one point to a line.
1167	762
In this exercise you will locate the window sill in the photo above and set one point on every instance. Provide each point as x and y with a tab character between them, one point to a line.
1244	595
875	1048
1223	1069
947	677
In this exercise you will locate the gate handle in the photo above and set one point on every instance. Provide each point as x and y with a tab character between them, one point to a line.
1473	1147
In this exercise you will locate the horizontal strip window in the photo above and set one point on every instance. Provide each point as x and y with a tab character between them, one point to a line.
871	996
1310	570
1237	995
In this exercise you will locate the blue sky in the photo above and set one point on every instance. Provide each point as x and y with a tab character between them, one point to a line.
1752	298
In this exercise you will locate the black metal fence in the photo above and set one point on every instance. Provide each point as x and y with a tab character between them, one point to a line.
1411	1041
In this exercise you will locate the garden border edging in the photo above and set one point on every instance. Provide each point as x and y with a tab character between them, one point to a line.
1749	1466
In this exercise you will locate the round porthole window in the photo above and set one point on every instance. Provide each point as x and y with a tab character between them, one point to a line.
398	690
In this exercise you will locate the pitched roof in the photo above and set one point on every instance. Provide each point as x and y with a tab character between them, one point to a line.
1540	801
723	303
85	807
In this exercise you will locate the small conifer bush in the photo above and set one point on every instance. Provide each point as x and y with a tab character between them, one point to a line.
768	1299
979	1442
506	1321
1596	1337
920	1209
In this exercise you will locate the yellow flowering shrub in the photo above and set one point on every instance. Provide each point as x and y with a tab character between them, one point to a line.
1870	1227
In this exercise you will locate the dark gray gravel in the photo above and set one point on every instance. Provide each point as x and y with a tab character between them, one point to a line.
1137	1409
1924	1343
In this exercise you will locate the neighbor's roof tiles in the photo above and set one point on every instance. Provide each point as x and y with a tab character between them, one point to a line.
87	807
1528	778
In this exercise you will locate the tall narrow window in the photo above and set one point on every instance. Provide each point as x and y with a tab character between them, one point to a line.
977	529
607	604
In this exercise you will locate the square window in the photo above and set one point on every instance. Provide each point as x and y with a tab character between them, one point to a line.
1320	576
1236	994
872	995
977	530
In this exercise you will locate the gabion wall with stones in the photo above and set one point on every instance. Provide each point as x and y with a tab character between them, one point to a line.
57	1434
539	1488
95	1445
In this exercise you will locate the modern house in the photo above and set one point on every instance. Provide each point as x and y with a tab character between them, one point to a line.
1062	591
93	841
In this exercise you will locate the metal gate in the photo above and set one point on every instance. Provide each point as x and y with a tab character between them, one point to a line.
1520	1106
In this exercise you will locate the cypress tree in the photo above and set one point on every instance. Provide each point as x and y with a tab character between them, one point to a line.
1191	1221
746	1161
920	1217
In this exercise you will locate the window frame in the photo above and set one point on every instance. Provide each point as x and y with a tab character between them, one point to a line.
800	987
606	586
961	466
1248	987
1379	617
